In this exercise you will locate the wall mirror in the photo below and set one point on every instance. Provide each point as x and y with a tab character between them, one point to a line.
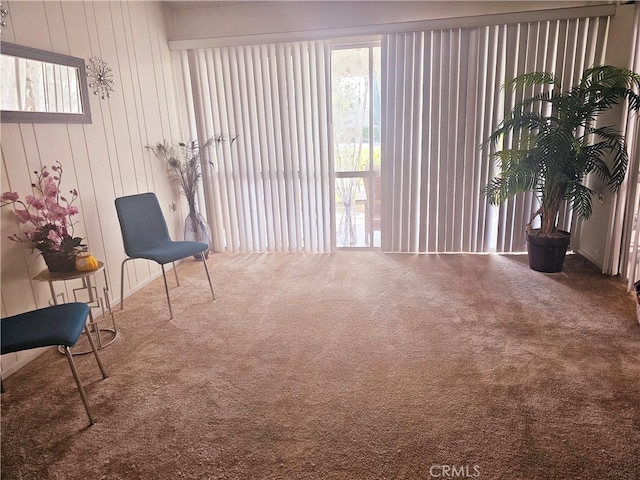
37	86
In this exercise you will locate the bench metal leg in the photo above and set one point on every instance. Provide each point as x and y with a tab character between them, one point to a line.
74	370
83	395
95	351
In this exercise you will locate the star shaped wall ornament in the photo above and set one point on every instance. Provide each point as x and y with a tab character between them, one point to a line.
3	13
102	77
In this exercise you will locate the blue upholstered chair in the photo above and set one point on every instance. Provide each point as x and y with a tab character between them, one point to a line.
58	325
145	235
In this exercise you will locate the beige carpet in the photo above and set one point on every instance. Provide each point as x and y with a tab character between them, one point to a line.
355	365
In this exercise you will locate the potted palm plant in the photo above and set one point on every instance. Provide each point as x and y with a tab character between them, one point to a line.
554	144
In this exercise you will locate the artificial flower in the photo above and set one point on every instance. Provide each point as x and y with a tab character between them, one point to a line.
47	213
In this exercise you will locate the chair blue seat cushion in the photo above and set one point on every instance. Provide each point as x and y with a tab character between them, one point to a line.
55	325
169	251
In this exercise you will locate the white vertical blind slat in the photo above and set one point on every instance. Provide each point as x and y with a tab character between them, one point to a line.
202	127
460	195
515	50
234	165
221	196
212	197
300	70
396	199
404	205
468	145
287	126
445	159
260	139
476	104
240	170
294	97
433	165
255	180
416	144
323	62
267	53
252	189
315	187
282	145
386	151
425	142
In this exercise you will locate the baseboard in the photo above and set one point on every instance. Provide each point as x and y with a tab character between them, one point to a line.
137	288
29	356
589	257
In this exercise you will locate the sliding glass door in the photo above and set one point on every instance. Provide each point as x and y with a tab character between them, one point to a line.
355	74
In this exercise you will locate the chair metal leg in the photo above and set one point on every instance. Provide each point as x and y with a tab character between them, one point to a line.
166	289
95	351
204	262
83	395
122	282
164	277
175	272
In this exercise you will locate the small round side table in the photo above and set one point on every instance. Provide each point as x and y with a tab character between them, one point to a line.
92	299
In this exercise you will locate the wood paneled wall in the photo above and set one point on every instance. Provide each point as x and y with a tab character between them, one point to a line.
104	159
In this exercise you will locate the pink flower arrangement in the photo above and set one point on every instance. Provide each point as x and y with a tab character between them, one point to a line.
47	213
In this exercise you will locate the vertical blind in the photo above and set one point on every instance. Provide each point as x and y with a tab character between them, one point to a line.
268	190
442	97
622	255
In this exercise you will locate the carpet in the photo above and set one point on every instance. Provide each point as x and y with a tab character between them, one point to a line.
353	365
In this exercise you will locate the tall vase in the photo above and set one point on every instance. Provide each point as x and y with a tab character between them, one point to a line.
196	229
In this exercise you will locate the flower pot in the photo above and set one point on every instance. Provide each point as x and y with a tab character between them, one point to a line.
60	262
637	288
546	253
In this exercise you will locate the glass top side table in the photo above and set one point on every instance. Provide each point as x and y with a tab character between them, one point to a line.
90	292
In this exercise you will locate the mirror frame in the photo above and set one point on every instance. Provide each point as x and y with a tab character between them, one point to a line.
7	116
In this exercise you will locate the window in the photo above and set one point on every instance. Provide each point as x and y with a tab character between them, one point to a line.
355	89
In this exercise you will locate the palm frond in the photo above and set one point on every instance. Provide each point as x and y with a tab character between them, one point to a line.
516	122
581	201
615	144
532	79
505	186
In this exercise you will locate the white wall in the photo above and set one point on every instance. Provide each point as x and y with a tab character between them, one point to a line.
105	159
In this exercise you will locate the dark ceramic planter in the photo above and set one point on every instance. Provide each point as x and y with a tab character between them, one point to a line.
546	254
60	262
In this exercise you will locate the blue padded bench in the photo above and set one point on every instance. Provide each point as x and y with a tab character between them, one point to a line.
50	326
